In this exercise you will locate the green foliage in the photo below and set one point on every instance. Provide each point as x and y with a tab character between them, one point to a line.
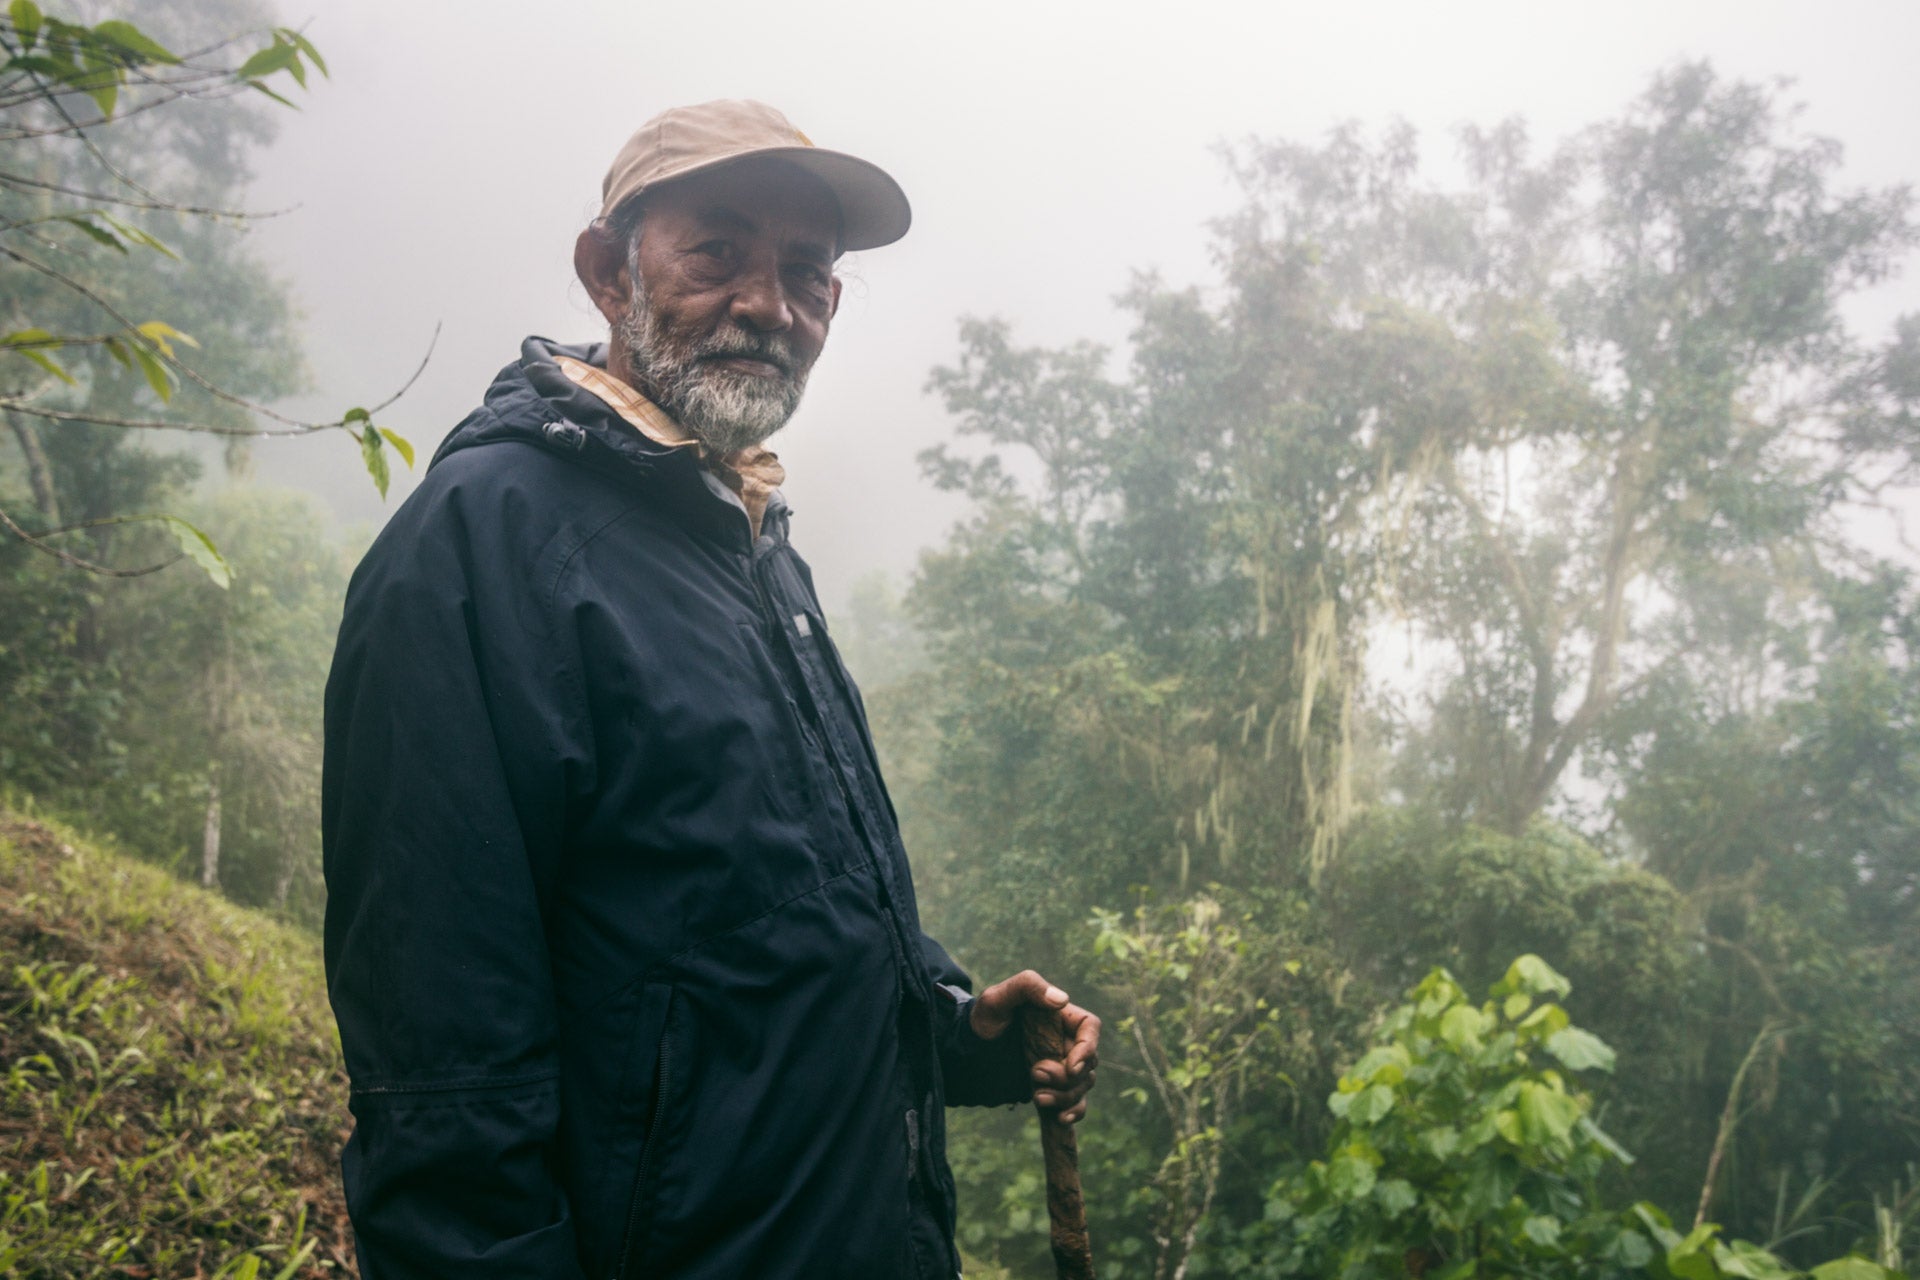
80	181
1464	1148
173	1071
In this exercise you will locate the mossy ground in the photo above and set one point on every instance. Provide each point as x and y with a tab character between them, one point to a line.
174	1103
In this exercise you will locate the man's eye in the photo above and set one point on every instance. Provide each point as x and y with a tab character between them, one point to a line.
717	249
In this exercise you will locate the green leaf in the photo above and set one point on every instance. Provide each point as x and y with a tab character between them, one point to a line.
145	238
131	39
275	57
85	222
1544	1232
1517	1003
1630	1249
47	362
1605	1140
1396	1196
305	46
158	376
26	22
1350	1175
1534	976
1580	1050
40	338
1461	1026
1657	1223
1371	1105
159	331
1546	1020
1548	1116
200	549
1851	1267
255	84
401	445
375	458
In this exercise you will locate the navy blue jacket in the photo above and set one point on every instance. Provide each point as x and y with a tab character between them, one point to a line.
620	934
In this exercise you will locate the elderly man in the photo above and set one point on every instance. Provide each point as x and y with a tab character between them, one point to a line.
620	933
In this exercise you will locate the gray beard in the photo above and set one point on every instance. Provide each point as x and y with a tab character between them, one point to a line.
725	411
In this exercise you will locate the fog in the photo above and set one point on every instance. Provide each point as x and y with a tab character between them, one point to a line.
1049	149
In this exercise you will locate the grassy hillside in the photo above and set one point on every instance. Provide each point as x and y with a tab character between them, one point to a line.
173	1101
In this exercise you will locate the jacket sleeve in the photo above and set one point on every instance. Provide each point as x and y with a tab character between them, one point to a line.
974	1072
441	818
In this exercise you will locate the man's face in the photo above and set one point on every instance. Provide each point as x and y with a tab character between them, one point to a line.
732	291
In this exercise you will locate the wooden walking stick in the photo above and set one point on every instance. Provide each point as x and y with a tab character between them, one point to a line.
1066	1211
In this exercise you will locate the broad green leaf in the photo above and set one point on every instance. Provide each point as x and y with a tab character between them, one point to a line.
1547	1020
1580	1050
1462	1025
1630	1249
1543	1231
200	549
1350	1175
1371	1106
1547	1116
126	36
1442	1141
26	22
1746	1261
1851	1267
1517	1003
402	445
376	459
1534	976
1657	1223
1396	1196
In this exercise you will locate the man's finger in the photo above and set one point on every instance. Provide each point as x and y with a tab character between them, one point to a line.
995	1009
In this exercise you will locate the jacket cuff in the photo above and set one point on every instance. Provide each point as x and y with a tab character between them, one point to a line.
978	1072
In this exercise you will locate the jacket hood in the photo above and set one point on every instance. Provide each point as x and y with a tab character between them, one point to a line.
534	402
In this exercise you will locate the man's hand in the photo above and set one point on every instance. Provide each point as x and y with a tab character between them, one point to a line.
1057	1084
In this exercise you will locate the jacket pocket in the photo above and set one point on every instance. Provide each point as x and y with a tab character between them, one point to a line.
648	1087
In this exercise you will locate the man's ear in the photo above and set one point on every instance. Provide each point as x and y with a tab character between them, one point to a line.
600	260
833	307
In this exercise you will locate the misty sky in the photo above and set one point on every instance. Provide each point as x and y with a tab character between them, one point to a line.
1050	150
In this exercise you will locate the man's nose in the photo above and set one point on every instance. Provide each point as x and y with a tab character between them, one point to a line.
760	302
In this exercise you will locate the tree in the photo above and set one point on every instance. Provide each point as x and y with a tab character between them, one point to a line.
1668	488
84	335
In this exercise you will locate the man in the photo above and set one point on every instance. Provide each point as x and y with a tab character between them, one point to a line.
620	934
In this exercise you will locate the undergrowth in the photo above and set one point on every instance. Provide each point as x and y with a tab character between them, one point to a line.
172	1099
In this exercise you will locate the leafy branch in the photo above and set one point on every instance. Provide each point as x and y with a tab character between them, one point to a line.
60	81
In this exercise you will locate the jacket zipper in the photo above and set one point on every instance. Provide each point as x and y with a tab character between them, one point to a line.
637	1206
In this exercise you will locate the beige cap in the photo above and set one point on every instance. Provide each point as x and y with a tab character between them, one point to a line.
684	140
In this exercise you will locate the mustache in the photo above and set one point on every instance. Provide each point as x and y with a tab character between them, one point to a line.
774	348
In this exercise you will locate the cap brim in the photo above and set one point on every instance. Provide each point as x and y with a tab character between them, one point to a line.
873	209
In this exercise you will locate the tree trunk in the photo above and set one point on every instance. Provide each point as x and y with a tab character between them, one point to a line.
39	473
210	835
